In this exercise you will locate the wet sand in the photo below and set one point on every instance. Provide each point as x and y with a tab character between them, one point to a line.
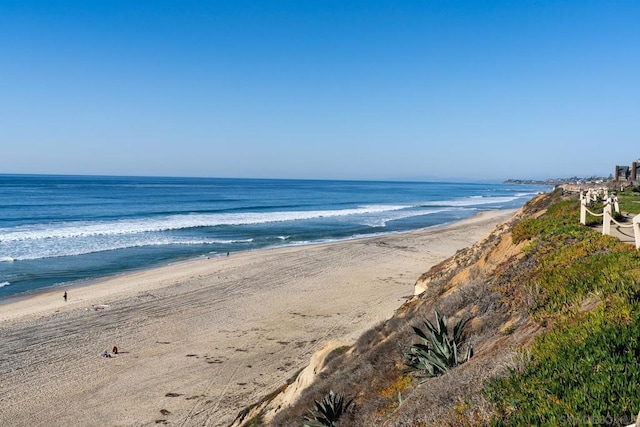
200	340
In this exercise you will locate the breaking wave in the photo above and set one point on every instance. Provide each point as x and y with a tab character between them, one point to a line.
473	201
50	240
173	222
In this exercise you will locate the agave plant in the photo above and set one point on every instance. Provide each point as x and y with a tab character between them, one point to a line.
328	411
439	350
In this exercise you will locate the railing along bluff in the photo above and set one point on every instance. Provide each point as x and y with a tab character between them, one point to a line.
586	199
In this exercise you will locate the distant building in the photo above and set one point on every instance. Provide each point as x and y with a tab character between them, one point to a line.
621	173
628	173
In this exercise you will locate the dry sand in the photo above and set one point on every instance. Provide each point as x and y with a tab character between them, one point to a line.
200	340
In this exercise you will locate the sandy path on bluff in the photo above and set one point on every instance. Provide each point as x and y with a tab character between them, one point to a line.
202	339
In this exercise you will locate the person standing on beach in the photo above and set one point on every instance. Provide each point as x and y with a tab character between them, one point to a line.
65	296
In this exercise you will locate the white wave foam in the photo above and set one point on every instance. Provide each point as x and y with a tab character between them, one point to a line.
195	242
472	201
3	284
382	222
173	222
228	242
6	259
29	250
282	237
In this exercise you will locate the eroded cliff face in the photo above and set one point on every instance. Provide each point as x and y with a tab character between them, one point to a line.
289	393
373	373
486	255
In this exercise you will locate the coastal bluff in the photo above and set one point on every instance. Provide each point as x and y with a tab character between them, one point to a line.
482	282
371	369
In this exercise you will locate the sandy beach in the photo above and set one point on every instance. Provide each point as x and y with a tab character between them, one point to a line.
202	339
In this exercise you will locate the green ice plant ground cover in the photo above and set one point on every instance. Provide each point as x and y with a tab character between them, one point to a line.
585	370
629	200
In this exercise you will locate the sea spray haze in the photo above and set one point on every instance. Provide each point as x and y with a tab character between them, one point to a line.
59	229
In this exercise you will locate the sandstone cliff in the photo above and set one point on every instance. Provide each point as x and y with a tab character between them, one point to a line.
473	283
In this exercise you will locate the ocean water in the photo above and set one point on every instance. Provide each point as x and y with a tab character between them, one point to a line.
60	229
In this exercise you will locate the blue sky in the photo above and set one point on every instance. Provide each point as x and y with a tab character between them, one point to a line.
479	90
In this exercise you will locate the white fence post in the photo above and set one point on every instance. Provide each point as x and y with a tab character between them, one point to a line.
606	220
636	230
610	203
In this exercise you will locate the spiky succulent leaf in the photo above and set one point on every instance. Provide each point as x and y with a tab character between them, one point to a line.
458	329
419	332
469	354
442	324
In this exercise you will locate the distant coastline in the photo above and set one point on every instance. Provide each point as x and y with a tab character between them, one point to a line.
558	181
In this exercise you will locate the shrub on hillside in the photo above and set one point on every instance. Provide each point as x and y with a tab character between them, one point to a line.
328	411
440	349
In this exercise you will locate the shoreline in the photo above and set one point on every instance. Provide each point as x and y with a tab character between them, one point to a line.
61	287
201	339
81	283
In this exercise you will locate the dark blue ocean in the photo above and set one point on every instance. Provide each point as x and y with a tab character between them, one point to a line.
60	229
